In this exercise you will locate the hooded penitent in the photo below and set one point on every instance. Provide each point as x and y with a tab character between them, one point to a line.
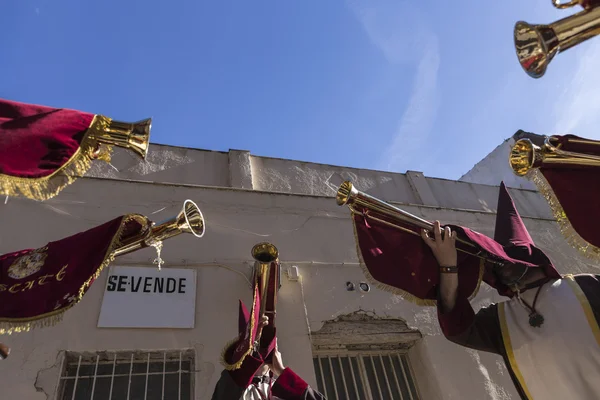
247	351
511	233
239	356
400	262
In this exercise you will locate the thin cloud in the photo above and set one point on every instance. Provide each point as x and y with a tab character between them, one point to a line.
578	111
400	31
419	116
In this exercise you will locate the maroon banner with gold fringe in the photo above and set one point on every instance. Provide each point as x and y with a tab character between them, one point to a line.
38	285
44	149
243	346
268	337
396	259
570	183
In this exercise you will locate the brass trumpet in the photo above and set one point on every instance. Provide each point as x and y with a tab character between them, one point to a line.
536	45
189	220
525	155
265	254
348	195
134	136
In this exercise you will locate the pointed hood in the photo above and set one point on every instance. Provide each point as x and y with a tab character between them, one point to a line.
511	233
510	229
243	318
242	346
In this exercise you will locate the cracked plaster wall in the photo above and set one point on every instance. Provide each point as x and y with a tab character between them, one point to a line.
240	169
167	164
310	232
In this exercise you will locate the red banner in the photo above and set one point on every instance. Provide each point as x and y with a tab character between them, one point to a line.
242	347
572	192
38	285
400	262
44	149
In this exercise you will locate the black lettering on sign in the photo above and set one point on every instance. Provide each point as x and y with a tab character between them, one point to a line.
134	287
148	284
171	285
122	283
112	283
159	285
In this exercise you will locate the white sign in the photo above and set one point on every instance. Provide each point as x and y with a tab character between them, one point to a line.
144	297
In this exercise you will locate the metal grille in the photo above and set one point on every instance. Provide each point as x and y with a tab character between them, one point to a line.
365	377
127	375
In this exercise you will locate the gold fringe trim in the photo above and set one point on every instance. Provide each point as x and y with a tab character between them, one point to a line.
238	365
47	187
17	325
8	328
399	292
570	234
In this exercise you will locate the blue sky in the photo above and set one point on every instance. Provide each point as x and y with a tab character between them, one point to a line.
396	85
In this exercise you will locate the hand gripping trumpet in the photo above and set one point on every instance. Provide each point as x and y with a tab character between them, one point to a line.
536	45
383	212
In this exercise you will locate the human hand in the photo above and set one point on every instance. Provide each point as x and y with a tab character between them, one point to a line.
276	364
4	351
264	321
444	249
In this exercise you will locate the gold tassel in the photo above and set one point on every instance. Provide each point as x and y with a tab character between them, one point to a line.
8	328
47	187
570	234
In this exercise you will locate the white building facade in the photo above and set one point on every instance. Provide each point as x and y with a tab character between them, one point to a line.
349	344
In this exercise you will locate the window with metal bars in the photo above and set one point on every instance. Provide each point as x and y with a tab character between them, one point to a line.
380	376
127	375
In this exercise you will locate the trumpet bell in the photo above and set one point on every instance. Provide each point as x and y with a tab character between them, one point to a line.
345	193
522	156
191	220
536	46
265	253
134	136
188	220
525	155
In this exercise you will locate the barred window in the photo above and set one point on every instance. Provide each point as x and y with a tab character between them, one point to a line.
372	376
127	375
